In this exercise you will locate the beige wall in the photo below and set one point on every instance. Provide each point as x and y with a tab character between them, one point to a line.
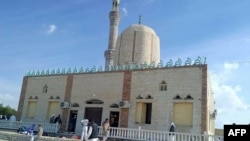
211	108
103	86
56	87
109	87
181	81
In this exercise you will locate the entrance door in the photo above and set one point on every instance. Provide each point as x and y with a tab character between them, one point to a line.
114	119
94	114
72	121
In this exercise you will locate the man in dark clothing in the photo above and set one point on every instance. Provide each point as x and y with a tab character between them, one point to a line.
52	118
58	119
172	129
93	131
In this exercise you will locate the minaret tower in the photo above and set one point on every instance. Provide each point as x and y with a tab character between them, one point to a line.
114	18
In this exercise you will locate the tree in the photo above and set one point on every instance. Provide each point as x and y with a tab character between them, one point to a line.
7	110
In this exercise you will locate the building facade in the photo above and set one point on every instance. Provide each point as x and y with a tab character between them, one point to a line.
134	90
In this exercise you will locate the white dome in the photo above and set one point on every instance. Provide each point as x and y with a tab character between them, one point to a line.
137	44
140	28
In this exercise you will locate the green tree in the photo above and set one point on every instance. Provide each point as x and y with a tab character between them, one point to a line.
7	110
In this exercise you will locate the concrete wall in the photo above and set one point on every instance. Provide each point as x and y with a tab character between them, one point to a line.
103	86
56	87
112	87
182	81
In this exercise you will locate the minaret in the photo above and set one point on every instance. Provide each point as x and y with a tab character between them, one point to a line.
114	18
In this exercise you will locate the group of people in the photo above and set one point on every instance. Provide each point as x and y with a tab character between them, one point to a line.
90	130
30	130
3	117
54	119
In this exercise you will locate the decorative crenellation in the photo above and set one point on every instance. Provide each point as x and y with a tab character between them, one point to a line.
178	97
147	97
130	66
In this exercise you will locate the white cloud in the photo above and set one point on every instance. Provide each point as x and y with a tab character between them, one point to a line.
9	100
9	92
125	11
52	28
6	97
226	73
228	97
230	66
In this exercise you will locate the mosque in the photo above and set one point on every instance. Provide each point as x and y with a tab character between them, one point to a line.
134	89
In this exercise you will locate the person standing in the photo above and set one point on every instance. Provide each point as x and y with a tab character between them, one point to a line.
84	123
4	117
40	131
105	127
58	121
12	118
93	131
172	129
72	123
52	118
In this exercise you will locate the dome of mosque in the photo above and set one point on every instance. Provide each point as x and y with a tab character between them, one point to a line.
140	28
137	44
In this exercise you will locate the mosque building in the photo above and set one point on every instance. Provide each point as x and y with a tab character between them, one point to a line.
134	89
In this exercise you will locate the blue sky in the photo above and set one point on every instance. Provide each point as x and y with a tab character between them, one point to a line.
51	34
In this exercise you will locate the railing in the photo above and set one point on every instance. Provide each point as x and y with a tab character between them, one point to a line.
15	125
122	133
152	135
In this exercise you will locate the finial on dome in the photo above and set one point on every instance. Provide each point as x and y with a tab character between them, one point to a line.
139	19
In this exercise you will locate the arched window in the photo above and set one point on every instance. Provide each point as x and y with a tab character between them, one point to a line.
189	97
75	105
45	89
114	105
139	97
177	97
163	86
149	97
